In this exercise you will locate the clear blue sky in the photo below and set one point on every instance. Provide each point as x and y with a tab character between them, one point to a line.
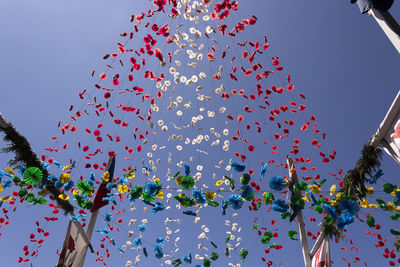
339	58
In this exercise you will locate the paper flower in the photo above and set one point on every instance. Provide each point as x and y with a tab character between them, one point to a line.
158	251
246	192
160	240
85	187
158	207
68	186
292	234
331	211
267	237
151	189
147	198
135	193
243	254
396	200
388	188
188	259
11	171
344	221
214	256
219	182
64	177
263	170
277	183
123	188
224	205
245	179
280	206
349	206
32	175
187	169
238	166
107	217
185	200
199	196
210	195
142	228
187	182
137	242
235	202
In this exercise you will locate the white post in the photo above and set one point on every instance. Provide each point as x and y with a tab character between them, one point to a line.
389	25
300	220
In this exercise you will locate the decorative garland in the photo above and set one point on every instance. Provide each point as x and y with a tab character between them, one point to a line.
25	156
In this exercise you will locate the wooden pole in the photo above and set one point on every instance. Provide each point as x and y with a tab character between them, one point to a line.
300	220
389	26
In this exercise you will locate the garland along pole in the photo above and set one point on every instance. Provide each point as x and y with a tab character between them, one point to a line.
389	26
300	220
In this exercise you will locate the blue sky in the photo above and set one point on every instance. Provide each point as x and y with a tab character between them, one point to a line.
339	58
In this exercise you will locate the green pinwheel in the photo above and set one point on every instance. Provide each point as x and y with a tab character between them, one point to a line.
85	187
33	175
187	182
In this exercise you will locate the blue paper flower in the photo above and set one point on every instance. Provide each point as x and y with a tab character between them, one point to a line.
107	217
246	192
73	164
58	184
137	242
199	196
142	228
263	170
224	205
43	165
377	175
187	169
68	185
58	164
331	211
189	212
280	206
158	251
7	184
52	178
349	206
277	183
344	221
235	202
160	240
397	199
23	168
238	166
314	200
188	259
158	207
151	189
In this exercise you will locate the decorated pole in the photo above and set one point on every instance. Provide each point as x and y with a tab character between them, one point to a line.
300	220
99	202
379	10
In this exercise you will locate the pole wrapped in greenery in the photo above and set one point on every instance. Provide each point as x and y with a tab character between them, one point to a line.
25	156
368	164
